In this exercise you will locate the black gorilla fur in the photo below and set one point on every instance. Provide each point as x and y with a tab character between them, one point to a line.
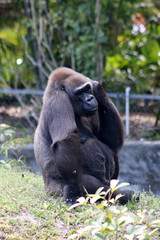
78	136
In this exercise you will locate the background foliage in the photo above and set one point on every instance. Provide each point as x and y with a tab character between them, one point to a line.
95	38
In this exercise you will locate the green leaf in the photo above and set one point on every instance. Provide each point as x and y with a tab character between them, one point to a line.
114	183
95	199
155	223
99	190
153	232
9	132
3	161
118	197
100	236
4	126
47	206
151	50
138	229
124	184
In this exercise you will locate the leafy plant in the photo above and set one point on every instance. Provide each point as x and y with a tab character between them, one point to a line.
136	62
105	220
7	134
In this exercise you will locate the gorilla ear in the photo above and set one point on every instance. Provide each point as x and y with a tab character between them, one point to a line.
61	118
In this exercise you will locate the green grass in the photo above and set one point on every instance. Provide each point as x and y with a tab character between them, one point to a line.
27	212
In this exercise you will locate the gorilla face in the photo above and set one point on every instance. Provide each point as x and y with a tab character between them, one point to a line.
83	101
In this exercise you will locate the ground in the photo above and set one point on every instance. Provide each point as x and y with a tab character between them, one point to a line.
27	212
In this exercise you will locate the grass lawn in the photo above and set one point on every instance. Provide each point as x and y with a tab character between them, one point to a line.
26	212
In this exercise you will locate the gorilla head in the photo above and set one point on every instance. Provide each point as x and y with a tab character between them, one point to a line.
79	89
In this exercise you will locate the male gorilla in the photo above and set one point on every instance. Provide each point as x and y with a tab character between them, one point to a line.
78	137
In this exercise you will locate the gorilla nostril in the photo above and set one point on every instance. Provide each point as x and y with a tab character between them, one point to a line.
89	99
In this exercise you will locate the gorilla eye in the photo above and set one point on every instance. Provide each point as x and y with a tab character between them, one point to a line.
62	88
87	88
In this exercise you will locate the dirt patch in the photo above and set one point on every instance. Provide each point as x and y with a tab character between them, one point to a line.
18	118
62	228
26	216
12	119
141	124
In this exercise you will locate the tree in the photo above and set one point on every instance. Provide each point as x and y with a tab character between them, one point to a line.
73	33
12	74
137	60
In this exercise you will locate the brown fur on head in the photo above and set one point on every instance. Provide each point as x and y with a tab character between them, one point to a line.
62	77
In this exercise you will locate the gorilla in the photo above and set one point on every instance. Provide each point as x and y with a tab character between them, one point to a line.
78	137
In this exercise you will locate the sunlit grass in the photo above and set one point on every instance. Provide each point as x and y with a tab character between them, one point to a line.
27	212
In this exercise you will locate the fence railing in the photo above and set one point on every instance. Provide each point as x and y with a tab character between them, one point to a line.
127	98
21	91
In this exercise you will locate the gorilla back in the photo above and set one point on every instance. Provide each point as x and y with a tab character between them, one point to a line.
78	136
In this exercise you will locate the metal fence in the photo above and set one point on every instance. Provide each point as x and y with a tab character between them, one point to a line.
140	113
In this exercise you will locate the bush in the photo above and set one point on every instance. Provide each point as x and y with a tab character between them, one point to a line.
105	220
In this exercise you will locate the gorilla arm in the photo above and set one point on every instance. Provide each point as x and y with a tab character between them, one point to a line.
111	133
110	125
111	130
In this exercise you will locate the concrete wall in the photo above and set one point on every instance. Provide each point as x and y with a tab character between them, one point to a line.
139	163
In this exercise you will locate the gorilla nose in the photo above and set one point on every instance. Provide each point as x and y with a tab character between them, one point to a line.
90	98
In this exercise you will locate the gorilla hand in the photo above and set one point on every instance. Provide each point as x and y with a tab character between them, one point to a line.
98	91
